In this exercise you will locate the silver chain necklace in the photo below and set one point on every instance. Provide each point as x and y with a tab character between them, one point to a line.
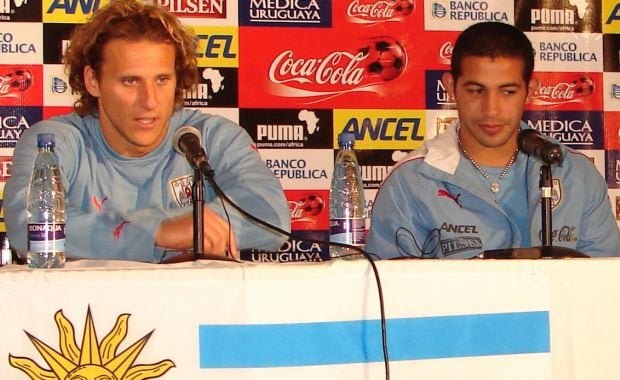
494	184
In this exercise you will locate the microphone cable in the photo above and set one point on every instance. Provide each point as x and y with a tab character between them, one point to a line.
224	198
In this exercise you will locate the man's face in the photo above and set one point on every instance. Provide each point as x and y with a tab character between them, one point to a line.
490	96
135	91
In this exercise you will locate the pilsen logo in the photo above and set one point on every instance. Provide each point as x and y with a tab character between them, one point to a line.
371	12
378	60
559	93
195	8
92	361
15	82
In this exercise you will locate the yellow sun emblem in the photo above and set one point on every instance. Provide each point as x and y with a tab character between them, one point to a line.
93	361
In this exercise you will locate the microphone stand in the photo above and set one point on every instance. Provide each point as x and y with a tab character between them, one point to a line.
546	189
547	250
201	168
198	200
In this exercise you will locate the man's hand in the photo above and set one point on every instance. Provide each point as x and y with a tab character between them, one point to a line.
178	234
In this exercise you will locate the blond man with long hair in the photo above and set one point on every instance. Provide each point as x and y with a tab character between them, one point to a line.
128	192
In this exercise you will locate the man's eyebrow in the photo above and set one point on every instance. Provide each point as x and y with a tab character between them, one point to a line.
473	83
504	85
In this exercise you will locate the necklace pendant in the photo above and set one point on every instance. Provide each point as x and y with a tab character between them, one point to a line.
495	187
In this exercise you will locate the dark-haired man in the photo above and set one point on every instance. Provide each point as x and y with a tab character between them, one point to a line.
470	189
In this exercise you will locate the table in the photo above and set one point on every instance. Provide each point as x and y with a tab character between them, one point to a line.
448	319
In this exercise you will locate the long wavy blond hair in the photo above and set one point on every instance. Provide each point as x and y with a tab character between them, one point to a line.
129	20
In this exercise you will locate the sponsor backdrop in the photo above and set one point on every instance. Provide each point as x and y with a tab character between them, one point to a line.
296	73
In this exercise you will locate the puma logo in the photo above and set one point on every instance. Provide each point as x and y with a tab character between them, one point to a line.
445	193
119	228
99	205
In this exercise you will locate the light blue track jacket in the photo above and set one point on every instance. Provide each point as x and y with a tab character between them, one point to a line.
115	203
434	196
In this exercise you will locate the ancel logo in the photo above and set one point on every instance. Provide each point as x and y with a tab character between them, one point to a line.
217	46
70	11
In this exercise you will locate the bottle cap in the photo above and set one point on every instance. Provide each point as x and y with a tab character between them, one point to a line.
346	137
46	139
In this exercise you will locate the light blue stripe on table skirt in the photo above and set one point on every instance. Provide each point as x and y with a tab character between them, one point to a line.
342	342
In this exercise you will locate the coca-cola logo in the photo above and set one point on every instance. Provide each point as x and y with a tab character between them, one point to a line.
575	91
377	60
445	52
336	68
366	12
15	82
359	11
566	234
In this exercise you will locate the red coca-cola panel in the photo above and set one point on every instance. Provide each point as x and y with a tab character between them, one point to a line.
21	85
406	16
309	209
566	91
328	68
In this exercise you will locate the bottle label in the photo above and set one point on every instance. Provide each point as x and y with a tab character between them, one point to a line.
347	230
46	237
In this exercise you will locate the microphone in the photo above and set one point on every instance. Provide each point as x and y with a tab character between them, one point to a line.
533	143
186	140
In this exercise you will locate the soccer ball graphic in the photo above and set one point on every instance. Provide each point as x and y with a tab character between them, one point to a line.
312	204
584	86
386	58
19	80
404	7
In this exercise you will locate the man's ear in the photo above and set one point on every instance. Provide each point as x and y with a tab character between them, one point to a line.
448	83
91	82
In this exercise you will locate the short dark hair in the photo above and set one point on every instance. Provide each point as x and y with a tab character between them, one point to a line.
493	40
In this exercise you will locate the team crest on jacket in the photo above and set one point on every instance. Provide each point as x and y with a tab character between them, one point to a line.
556	193
181	188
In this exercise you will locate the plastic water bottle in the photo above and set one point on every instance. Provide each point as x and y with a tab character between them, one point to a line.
346	200
46	209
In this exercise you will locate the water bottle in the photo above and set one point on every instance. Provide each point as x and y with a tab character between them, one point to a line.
46	209
346	200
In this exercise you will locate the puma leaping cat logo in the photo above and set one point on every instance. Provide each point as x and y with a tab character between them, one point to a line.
99	205
445	193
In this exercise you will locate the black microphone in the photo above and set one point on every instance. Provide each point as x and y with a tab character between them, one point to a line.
186	140
533	143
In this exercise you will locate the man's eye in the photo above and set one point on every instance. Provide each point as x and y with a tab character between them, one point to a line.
129	81
163	80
